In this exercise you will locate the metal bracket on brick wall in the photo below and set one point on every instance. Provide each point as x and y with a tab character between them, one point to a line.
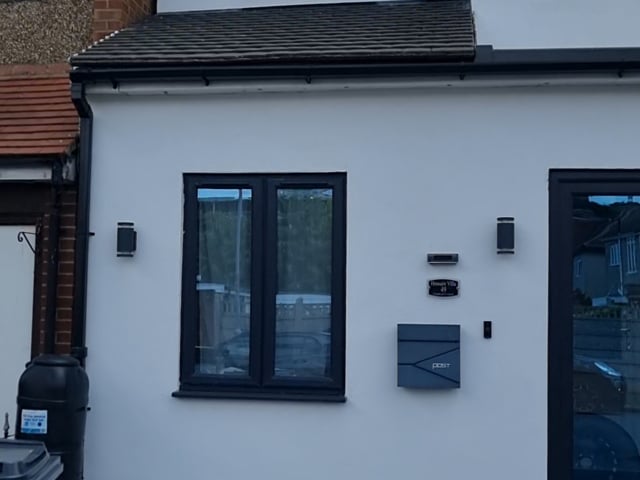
22	237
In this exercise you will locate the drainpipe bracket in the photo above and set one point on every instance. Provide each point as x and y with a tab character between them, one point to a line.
79	352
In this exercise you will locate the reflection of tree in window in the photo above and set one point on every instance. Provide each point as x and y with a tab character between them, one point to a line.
304	240
219	219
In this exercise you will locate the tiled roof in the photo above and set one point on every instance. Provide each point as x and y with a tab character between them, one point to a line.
391	31
37	116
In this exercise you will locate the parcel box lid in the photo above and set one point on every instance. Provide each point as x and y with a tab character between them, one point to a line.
428	333
27	460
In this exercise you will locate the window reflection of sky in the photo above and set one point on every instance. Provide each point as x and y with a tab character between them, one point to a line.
234	193
223	193
609	199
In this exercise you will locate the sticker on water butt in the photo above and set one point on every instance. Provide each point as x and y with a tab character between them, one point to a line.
34	422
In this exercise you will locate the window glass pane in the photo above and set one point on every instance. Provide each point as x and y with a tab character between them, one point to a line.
303	300
606	338
224	266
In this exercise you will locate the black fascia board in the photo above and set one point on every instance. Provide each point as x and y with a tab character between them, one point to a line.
29	160
487	61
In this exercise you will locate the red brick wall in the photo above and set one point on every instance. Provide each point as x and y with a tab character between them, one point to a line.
66	264
112	15
64	300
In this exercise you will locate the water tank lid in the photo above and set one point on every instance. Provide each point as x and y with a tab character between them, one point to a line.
56	361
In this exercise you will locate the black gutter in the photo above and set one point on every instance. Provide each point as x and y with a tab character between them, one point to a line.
52	263
487	61
78	332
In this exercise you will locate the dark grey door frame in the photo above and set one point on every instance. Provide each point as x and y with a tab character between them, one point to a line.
563	185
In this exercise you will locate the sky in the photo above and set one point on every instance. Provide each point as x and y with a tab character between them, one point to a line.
609	199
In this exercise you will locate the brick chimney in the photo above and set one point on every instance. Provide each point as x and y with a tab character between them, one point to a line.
112	15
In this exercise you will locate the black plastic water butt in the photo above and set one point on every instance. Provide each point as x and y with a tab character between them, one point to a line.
53	394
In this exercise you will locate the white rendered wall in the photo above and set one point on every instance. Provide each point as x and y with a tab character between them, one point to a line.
16	313
427	171
510	23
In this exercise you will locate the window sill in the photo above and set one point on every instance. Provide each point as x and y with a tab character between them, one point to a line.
298	397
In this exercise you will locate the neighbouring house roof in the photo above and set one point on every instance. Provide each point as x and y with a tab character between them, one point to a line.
626	222
593	230
391	31
37	116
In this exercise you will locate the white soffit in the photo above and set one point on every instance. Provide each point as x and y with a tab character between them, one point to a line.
19	173
334	84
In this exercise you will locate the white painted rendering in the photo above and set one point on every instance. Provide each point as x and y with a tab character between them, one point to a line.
21	173
35	172
16	313
510	23
556	23
428	170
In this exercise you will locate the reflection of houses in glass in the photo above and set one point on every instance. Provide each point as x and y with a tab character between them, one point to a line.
605	269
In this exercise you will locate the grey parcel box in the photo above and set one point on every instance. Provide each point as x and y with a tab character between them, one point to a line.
27	460
429	356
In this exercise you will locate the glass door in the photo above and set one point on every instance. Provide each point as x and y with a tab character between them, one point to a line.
594	361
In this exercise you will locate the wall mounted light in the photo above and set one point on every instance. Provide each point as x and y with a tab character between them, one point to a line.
127	239
506	241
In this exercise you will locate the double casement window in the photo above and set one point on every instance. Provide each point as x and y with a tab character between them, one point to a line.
263	294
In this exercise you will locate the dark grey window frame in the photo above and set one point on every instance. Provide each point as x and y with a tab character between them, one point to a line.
261	384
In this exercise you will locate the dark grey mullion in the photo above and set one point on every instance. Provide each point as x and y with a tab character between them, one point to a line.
190	307
270	279
258	254
338	279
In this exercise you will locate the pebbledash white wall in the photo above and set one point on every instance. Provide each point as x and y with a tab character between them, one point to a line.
428	171
509	23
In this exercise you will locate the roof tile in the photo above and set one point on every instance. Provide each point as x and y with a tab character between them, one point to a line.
436	30
37	116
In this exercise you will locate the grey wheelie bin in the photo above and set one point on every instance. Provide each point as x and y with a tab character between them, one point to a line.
27	460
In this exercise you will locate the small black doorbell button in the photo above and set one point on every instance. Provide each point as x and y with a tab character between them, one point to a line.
487	330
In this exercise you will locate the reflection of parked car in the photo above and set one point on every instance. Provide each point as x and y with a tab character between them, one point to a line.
298	354
597	386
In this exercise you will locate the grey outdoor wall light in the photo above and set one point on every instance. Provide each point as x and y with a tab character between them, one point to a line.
127	239
506	241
